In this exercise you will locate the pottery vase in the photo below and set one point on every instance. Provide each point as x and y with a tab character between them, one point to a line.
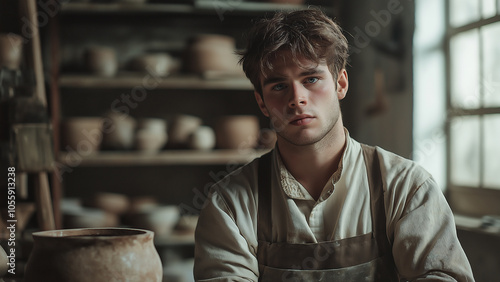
94	255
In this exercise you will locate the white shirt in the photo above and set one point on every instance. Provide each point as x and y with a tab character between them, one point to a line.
420	224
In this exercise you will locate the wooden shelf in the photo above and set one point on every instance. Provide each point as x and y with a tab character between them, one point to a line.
169	157
198	7
148	82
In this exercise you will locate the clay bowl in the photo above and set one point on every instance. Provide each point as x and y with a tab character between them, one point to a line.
94	255
81	134
237	132
101	61
119	131
11	51
151	135
89	218
211	52
111	202
141	203
203	138
158	64
180	128
160	219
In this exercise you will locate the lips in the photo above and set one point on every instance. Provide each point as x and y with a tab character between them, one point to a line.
301	120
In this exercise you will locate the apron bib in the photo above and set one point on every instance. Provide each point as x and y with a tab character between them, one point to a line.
366	257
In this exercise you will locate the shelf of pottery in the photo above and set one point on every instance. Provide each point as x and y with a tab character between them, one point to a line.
142	86
129	76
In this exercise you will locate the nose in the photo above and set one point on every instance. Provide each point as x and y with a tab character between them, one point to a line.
298	96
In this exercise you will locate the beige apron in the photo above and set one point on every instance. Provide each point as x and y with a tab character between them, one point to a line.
366	257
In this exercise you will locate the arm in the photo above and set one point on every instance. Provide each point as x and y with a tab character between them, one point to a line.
425	246
222	252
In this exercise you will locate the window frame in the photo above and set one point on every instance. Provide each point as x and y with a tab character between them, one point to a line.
468	200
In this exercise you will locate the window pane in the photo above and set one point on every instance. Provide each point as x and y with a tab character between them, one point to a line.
465	70
463	12
491	69
492	151
464	141
489	8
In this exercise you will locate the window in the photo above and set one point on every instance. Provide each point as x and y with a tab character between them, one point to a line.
472	68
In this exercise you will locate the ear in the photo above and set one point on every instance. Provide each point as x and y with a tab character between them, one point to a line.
260	102
342	84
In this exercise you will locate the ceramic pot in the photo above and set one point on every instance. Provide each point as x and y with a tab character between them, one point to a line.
180	128
94	255
202	138
101	61
4	262
90	218
158	64
11	51
111	202
159	219
81	134
212	53
237	132
151	135
118	131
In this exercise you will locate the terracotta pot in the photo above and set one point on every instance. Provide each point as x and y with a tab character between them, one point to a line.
90	218
212	52
101	61
94	255
11	51
119	131
202	138
83	135
180	128
111	202
158	64
237	132
160	219
151	135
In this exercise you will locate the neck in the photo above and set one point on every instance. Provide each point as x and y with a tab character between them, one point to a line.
312	165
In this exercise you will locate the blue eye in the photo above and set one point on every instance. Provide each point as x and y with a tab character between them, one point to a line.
278	87
311	80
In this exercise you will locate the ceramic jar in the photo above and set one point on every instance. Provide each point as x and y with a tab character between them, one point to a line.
158	64
180	129
208	53
101	61
151	135
237	132
81	134
11	47
94	255
118	131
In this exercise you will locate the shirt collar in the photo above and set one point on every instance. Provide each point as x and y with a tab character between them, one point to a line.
293	188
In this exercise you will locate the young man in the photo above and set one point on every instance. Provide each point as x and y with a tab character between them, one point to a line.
321	206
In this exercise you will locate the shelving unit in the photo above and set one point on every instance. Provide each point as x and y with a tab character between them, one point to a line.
173	175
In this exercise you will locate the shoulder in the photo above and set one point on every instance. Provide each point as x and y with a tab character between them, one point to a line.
400	172
236	191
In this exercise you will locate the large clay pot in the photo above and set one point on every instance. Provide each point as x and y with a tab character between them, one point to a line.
94	255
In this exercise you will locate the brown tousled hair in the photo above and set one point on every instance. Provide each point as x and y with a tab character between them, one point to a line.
308	34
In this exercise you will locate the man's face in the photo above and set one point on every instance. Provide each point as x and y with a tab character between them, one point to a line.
302	102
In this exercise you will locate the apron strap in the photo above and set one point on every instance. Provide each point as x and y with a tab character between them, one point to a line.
377	199
264	223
